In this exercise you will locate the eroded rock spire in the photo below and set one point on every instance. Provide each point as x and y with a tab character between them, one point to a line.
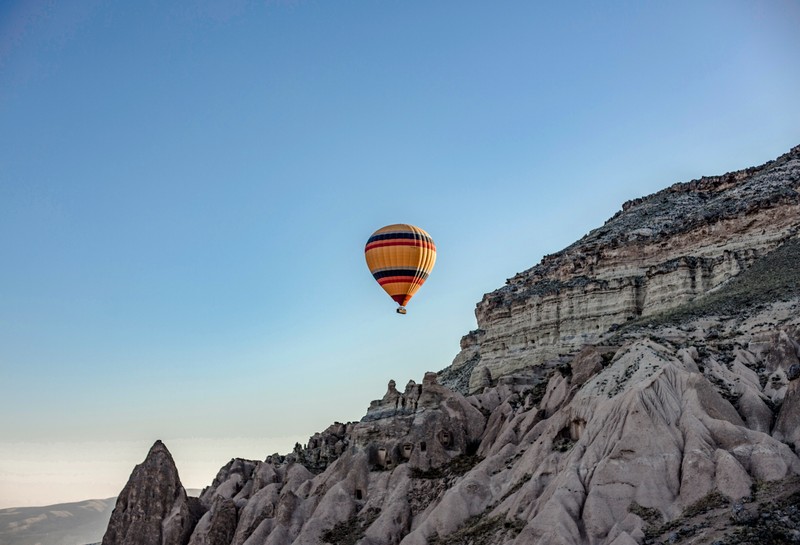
153	508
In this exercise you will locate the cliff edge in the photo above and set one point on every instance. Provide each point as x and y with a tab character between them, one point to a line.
658	253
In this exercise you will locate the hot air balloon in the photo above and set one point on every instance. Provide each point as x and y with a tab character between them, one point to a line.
400	257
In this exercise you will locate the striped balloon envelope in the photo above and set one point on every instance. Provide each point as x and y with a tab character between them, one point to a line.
400	257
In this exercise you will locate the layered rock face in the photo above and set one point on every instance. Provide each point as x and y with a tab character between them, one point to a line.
657	253
681	425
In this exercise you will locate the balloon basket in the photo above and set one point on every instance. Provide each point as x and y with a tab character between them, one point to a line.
401	310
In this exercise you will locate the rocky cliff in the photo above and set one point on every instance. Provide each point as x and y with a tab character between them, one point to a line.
656	254
641	386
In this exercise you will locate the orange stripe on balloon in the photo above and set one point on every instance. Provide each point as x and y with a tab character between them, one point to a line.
417	243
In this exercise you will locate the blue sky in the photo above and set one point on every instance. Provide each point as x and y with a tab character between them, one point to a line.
185	192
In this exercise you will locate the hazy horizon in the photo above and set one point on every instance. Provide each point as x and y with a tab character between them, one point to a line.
38	471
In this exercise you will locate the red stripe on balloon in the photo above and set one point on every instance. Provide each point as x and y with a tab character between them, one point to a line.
400	279
417	243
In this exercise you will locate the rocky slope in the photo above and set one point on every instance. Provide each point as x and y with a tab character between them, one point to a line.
641	386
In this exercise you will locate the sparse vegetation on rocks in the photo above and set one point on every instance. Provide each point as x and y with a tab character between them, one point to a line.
351	531
455	468
481	530
771	515
647	514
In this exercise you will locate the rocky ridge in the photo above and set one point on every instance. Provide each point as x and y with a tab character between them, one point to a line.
641	386
659	252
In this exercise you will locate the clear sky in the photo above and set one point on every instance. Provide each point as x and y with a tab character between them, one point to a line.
186	189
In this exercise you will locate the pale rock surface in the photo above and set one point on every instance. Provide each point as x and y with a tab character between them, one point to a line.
787	427
218	525
651	424
569	417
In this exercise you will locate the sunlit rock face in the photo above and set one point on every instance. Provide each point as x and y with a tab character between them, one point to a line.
656	254
561	421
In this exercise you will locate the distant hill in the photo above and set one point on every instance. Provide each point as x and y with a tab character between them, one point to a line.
78	523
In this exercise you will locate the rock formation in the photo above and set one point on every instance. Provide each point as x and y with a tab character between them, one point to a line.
656	254
641	386
153	508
